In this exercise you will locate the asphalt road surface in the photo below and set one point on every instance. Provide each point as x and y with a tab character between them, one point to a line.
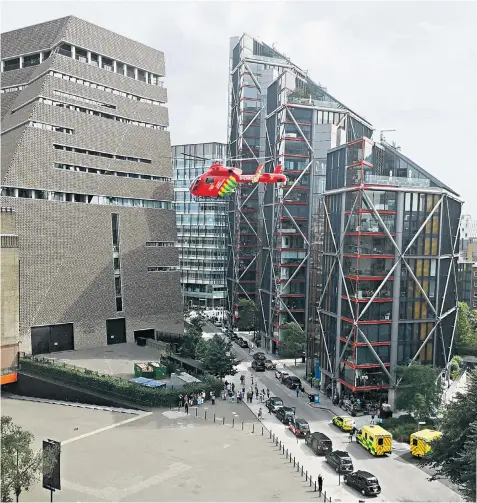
398	474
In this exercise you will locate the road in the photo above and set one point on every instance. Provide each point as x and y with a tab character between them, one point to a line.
399	476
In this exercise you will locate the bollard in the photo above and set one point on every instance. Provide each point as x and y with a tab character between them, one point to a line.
294	461
306	476
280	445
315	486
298	467
233	422
253	427
196	412
284	450
214	418
223	420
242	425
270	434
290	457
276	440
262	431
302	470
310	481
205	415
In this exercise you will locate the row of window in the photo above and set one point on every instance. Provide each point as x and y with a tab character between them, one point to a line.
100	87
82	99
12	89
164	244
25	61
84	198
97	171
109	64
163	268
50	127
101	154
103	115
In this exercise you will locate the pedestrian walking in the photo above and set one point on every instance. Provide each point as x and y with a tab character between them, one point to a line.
252	378
298	391
320	484
233	388
268	393
351	433
243	390
181	401
226	383
256	393
212	397
186	408
372	418
260	417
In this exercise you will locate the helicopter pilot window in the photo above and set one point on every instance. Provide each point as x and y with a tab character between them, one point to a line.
209	180
196	183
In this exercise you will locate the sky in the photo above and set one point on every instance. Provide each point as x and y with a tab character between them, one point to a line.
408	66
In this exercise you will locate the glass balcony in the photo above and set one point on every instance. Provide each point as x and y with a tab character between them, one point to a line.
396	181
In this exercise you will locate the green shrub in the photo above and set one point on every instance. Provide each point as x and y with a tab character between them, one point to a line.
132	392
403	432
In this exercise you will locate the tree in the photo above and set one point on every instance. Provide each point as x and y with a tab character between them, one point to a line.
218	359
466	329
21	465
189	342
293	341
453	456
247	315
420	390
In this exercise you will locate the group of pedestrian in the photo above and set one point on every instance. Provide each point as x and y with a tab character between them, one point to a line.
187	401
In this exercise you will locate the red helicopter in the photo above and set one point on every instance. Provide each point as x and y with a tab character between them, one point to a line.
220	180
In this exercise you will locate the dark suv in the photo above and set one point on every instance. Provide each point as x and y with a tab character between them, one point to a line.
340	461
366	483
319	443
258	365
292	382
259	356
284	414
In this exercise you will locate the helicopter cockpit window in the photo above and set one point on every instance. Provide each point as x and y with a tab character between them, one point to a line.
209	180
196	183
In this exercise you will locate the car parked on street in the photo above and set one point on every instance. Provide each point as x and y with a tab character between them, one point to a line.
269	365
259	356
258	365
292	382
274	403
284	414
299	427
340	461
319	443
366	483
243	343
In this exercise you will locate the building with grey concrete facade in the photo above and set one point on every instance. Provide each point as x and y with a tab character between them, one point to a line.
86	164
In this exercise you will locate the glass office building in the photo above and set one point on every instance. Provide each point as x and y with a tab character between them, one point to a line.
201	228
389	268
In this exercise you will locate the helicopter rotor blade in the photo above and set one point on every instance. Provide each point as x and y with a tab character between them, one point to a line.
196	157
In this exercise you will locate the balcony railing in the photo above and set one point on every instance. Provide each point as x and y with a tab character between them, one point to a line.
396	181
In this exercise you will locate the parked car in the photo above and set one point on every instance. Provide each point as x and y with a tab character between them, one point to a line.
269	365
274	403
279	374
259	356
340	461
345	423
298	426
284	414
319	443
258	366
366	483
292	382
243	343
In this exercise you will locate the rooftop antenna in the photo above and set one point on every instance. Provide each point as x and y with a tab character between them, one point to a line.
381	134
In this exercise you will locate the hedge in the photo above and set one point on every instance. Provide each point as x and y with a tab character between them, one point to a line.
135	393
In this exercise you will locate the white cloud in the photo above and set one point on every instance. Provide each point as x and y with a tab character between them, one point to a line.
409	66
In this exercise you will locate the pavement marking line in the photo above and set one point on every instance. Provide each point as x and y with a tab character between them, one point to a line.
100	430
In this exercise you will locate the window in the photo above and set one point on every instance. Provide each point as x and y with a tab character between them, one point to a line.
141	75
11	64
165	268
209	180
32	60
107	64
130	72
160	243
84	169
65	49
94	59
120	68
78	98
49	127
81	55
46	55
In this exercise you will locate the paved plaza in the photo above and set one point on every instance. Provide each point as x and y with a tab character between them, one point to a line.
159	456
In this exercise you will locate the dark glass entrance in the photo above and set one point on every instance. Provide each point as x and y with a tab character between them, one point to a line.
52	338
116	331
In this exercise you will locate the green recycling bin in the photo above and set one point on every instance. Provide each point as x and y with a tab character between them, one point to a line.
159	370
143	370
